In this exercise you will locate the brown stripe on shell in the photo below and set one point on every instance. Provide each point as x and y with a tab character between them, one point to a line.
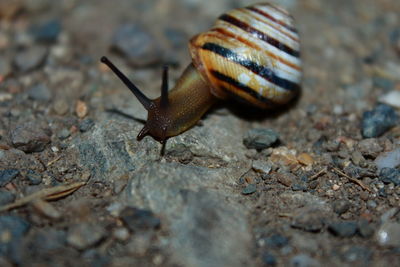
268	22
260	35
251	44
280	22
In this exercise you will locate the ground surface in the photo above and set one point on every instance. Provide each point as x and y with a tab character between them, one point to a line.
86	193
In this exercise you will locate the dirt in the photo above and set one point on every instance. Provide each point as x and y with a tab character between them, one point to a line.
314	183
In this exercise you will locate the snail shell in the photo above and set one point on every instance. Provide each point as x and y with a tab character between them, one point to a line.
251	53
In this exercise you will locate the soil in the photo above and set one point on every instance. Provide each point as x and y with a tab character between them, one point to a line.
313	183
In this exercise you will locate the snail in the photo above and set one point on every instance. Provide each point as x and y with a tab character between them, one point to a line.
251	54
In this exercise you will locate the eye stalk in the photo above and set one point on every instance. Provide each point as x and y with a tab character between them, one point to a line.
156	122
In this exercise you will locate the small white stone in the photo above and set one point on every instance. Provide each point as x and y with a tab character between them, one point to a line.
392	99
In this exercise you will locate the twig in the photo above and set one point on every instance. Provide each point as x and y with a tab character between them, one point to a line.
318	174
51	193
51	162
354	180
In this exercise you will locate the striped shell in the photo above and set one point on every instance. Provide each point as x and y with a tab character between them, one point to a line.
251	53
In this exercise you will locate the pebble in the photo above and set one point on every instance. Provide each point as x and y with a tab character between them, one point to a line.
30	136
6	197
391	98
340	206
395	40
388	235
46	209
303	260
30	59
61	107
369	147
310	221
388	160
268	259
343	229
7	176
12	231
390	175
121	234
64	134
261	166
81	109
139	219
284	156
379	120
48	240
33	177
305	159
136	45
365	229
5	67
286	178
84	235
47	31
249	189
276	241
39	92
85	125
260	138
181	152
357	158
358	254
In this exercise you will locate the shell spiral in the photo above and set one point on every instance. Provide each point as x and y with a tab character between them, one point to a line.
251	53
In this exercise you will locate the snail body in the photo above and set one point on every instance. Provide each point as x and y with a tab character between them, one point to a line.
251	54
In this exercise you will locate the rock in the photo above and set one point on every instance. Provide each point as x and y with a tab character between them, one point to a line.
205	221
343	229
261	166
12	231
7	176
30	59
303	260
369	147
340	206
47	31
85	125
137	45
379	120
391	98
390	175
260	138
30	136
388	235
84	235
395	40
388	160
6	197
40	92
249	189
33	177
138	220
